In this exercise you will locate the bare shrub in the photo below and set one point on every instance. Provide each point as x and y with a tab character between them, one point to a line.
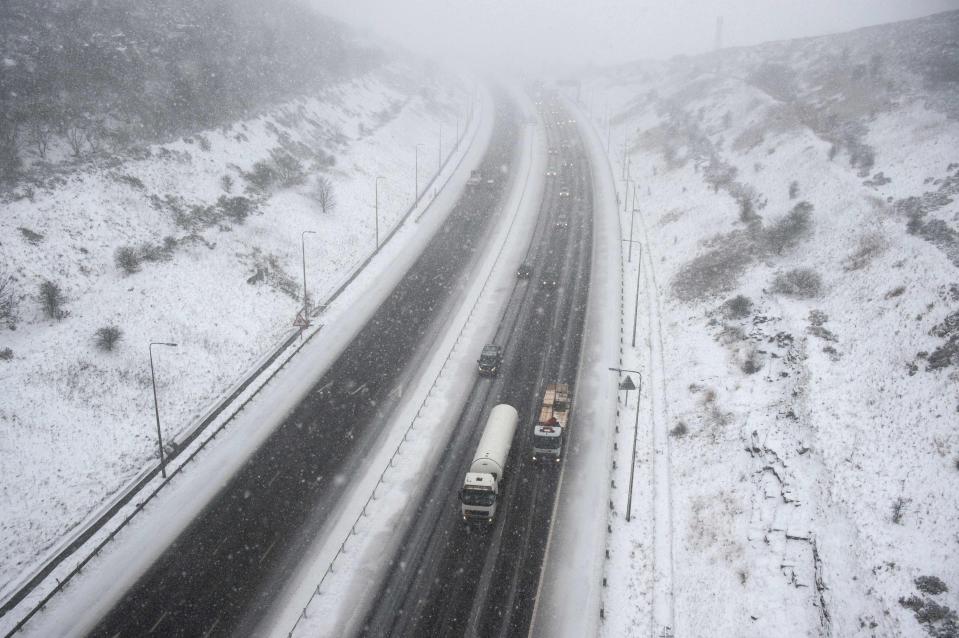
717	270
52	300
738	307
788	231
324	195
869	247
31	236
226	183
263	176
289	170
236	208
8	300
931	585
793	189
899	509
680	430
752	363
6	354
106	338
127	259
76	136
802	283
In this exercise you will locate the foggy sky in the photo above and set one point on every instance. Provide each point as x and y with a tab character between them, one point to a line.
537	33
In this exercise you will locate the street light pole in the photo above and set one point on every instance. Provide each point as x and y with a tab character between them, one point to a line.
306	308
156	404
639	270
439	152
416	173
632	467
376	209
626	195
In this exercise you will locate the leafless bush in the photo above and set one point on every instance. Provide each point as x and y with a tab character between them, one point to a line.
931	585
752	363
738	307
30	236
869	247
717	270
6	354
680	430
787	232
899	509
76	135
8	300
127	259
40	132
802	283
793	189
52	300
107	337
324	195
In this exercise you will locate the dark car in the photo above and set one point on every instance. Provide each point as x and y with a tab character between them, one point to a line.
549	279
525	271
562	222
489	360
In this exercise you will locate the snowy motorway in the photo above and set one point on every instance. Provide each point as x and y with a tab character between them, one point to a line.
221	575
453	579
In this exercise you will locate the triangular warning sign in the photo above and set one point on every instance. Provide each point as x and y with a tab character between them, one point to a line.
301	321
627	384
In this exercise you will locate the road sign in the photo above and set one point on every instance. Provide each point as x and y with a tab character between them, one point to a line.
627	384
301	321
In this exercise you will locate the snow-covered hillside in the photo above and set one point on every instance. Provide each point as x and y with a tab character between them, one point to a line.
197	242
798	333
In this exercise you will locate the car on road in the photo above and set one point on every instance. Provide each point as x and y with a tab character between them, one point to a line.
562	222
550	172
525	271
564	191
490	358
552	150
549	279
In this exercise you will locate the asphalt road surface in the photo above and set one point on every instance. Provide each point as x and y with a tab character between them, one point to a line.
451	578
220	574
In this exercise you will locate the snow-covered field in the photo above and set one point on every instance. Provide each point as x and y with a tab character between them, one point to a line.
798	323
218	275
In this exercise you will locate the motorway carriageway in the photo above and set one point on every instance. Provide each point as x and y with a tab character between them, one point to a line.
221	574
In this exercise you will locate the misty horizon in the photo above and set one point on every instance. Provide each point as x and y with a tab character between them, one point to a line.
534	35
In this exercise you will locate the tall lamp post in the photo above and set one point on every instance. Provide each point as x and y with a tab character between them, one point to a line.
416	173
439	152
156	404
632	467
376	208
306	307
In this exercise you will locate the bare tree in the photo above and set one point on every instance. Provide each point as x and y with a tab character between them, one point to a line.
324	195
52	300
40	133
76	135
106	338
93	135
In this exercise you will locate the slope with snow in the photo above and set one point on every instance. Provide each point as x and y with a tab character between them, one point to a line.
798	334
212	226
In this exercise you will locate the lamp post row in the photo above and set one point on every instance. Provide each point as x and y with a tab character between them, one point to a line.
306	309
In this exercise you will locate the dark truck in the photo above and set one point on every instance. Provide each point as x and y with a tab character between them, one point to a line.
490	358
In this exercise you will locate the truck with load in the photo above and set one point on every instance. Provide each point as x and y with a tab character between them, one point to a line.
551	422
486	472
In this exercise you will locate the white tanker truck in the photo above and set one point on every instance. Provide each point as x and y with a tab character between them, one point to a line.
481	487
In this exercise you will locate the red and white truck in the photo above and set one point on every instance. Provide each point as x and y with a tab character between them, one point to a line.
551	423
